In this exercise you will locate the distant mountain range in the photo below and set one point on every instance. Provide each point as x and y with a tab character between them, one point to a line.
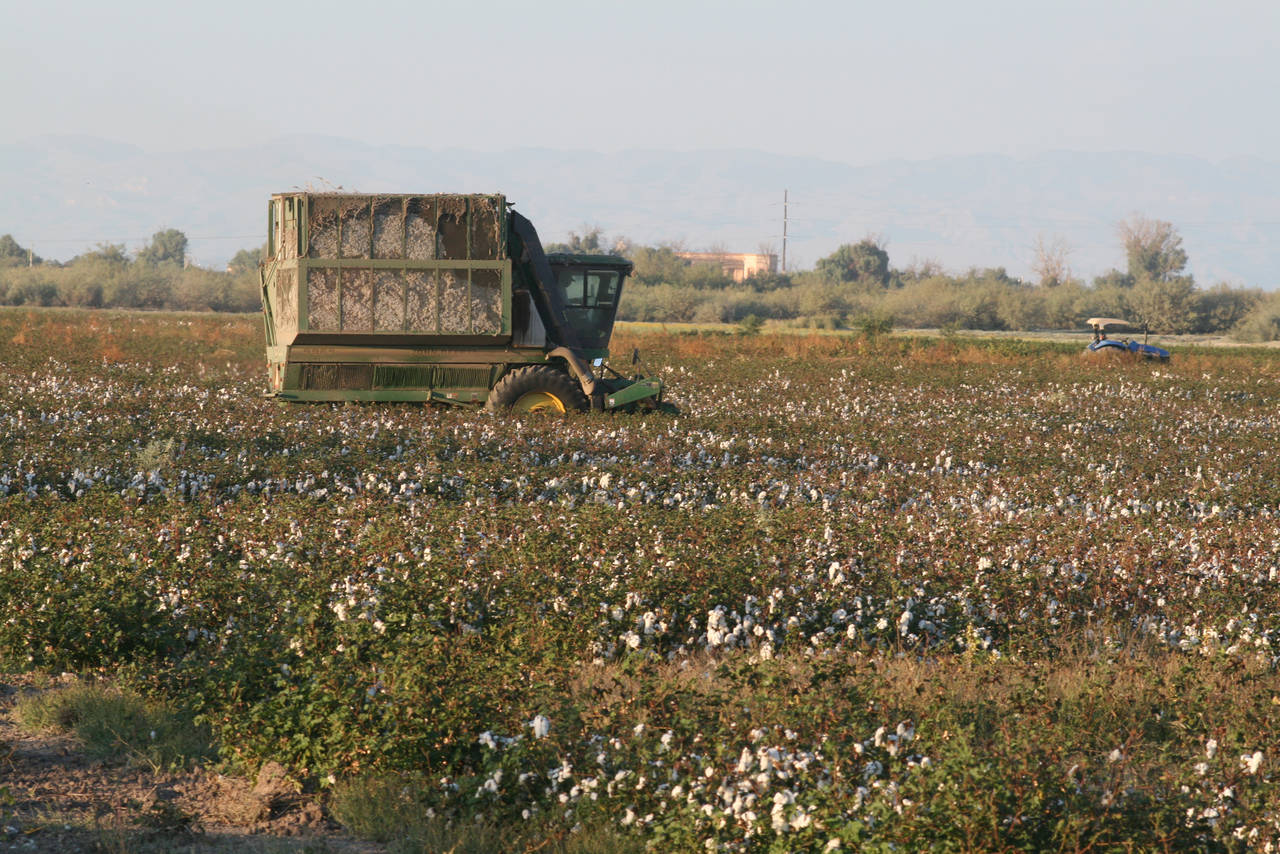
63	194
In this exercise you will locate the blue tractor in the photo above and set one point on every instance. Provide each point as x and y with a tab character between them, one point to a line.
1105	346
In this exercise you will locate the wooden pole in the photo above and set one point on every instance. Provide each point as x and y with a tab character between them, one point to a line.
784	230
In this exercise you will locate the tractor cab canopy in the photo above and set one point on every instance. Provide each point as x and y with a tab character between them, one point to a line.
589	287
1104	323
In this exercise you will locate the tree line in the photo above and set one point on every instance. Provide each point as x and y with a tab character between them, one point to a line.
157	277
856	286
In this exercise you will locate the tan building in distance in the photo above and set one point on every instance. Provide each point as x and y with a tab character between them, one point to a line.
737	266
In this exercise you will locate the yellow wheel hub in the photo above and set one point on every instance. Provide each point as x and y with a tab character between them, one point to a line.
538	401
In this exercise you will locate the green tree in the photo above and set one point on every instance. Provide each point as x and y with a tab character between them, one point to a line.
112	254
658	264
590	242
1113	280
1166	306
1153	248
167	247
246	260
764	282
1222	307
1262	323
865	262
13	255
1161	298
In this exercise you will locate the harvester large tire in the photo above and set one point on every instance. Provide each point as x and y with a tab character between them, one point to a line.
537	388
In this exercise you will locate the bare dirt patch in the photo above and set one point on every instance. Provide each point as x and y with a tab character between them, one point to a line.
54	797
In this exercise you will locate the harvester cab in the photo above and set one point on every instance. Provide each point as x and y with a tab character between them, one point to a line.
587	289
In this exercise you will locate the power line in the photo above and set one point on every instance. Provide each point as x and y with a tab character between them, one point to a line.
128	239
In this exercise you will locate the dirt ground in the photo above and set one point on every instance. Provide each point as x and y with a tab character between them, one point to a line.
54	798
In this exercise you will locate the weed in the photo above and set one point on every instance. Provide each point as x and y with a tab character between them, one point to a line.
155	455
116	724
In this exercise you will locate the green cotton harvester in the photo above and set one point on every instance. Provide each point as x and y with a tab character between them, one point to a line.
446	298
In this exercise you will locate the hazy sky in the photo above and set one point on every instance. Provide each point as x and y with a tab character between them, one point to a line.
849	81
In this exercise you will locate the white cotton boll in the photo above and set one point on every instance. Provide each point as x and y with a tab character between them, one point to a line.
1251	762
540	725
1115	755
1211	748
904	622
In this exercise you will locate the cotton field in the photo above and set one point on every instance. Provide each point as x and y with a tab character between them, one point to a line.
903	595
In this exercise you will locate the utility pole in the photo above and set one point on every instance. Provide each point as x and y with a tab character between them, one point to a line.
784	230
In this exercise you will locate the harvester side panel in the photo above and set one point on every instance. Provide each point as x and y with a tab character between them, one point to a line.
425	265
371	276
